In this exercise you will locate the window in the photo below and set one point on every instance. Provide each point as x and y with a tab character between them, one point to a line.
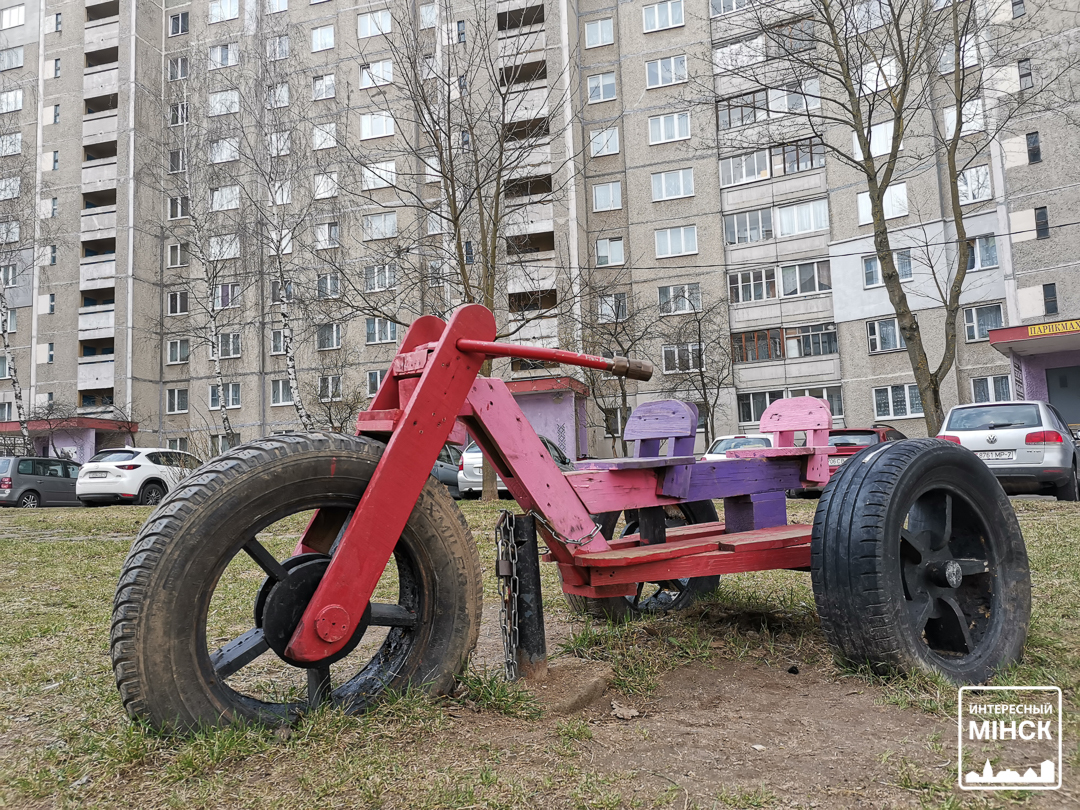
281	240
225	150
322	38
56	68
991	389
881	136
884	336
328	285
757	347
231	398
374	380
1042	223
894	203
221	10
10	187
872	268
604	142
678	298
8	274
614	420
280	392
276	6
178	68
978	321
177	163
810	341
12	16
662	72
791	38
11	144
328	336
429	16
1018	9
878	76
744	168
12	100
376	125
9	231
176	399
326	185
377	277
278	144
607	196
178	303
533	302
327	235
376	23
805	278
718	7
745	109
982	253
277	341
612	308
226	295
752	406
682	357
1050	302
670	185
609	252
380	226
11	58
896	401
277	96
178	24
752	285
1034	150
748	227
322	87
378	175
973	185
663	15
12	324
324	136
795	97
461	31
798	156
223	246
178	207
380	330
178	254
1023	68
224	102
224	55
377	73
281	291
55	163
178	114
225	198
277	48
803	217
599	32
739	55
971	117
228	345
601	87
330	388
675	241
969	54
667	128
221	442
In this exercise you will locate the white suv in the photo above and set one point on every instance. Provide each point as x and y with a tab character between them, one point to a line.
140	475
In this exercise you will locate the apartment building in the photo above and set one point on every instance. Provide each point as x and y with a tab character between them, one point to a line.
234	216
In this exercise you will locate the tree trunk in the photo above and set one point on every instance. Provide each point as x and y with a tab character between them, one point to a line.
290	365
489	490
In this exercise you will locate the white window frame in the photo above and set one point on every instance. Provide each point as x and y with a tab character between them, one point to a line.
911	396
676	68
330	388
662	16
173	403
380	226
607	196
222	10
380	277
376	23
323	87
612	307
385	331
873	336
972	119
683	178
376	125
977	248
790	219
762	280
327	235
658	127
327	337
894	205
232	396
678	299
231	300
748	167
225	150
597	85
322	38
901	260
597	34
991	388
974	181
176	299
604	252
280	393
178	351
177	254
277	48
223	56
604	142
683	231
324	136
673	350
971	322
377	378
378	175
225	198
377	74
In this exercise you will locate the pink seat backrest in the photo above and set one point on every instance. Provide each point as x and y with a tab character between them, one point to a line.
652	422
785	417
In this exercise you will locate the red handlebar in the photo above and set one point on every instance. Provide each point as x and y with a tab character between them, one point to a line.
619	366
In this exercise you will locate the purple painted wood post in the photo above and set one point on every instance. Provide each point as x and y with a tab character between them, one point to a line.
744	513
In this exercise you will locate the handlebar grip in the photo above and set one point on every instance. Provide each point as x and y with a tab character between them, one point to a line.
632	369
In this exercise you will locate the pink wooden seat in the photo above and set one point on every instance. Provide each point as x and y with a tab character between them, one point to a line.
786	417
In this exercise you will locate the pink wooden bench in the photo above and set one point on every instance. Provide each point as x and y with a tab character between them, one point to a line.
786	417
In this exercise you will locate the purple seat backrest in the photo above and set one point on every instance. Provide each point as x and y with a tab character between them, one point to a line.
785	417
670	419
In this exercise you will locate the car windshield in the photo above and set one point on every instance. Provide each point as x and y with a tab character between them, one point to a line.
115	455
861	438
994	417
738	443
4	464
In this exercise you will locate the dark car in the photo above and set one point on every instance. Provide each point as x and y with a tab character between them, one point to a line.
31	482
846	442
446	468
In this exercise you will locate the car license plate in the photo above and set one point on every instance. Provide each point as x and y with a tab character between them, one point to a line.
98	475
836	461
995	455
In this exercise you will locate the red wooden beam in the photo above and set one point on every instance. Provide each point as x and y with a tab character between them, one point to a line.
703	565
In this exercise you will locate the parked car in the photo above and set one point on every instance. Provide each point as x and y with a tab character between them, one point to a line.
1027	445
846	442
718	449
139	475
31	482
446	469
471	468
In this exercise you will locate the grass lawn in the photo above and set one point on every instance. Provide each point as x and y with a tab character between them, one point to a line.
64	740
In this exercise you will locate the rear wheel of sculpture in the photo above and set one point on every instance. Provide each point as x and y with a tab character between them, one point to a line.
210	593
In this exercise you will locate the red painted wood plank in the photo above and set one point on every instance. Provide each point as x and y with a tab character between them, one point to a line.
706	564
766	538
708	537
639	554
676	533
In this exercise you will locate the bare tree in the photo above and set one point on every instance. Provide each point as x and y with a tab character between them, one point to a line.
893	89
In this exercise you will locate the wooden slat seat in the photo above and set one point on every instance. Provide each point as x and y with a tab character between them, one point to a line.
634	463
773	537
772	452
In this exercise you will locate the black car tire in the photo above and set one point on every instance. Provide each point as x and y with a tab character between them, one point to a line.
29	500
1068	490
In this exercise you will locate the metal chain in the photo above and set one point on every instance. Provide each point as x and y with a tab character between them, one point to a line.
566	540
506	573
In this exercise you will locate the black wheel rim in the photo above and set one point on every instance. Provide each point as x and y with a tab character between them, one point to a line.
254	679
947	568
153	496
665	595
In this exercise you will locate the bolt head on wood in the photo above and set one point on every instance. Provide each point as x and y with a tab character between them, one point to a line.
332	623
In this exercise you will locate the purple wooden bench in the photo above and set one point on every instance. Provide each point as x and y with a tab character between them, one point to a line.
783	419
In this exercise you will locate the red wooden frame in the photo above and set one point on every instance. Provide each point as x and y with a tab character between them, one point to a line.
433	389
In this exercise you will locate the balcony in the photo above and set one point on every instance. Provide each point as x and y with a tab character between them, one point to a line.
97	272
536	275
530	160
528	103
522	44
99	175
99	127
102	80
101	34
531	218
797	371
798	309
98	223
96	372
96	323
540	331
